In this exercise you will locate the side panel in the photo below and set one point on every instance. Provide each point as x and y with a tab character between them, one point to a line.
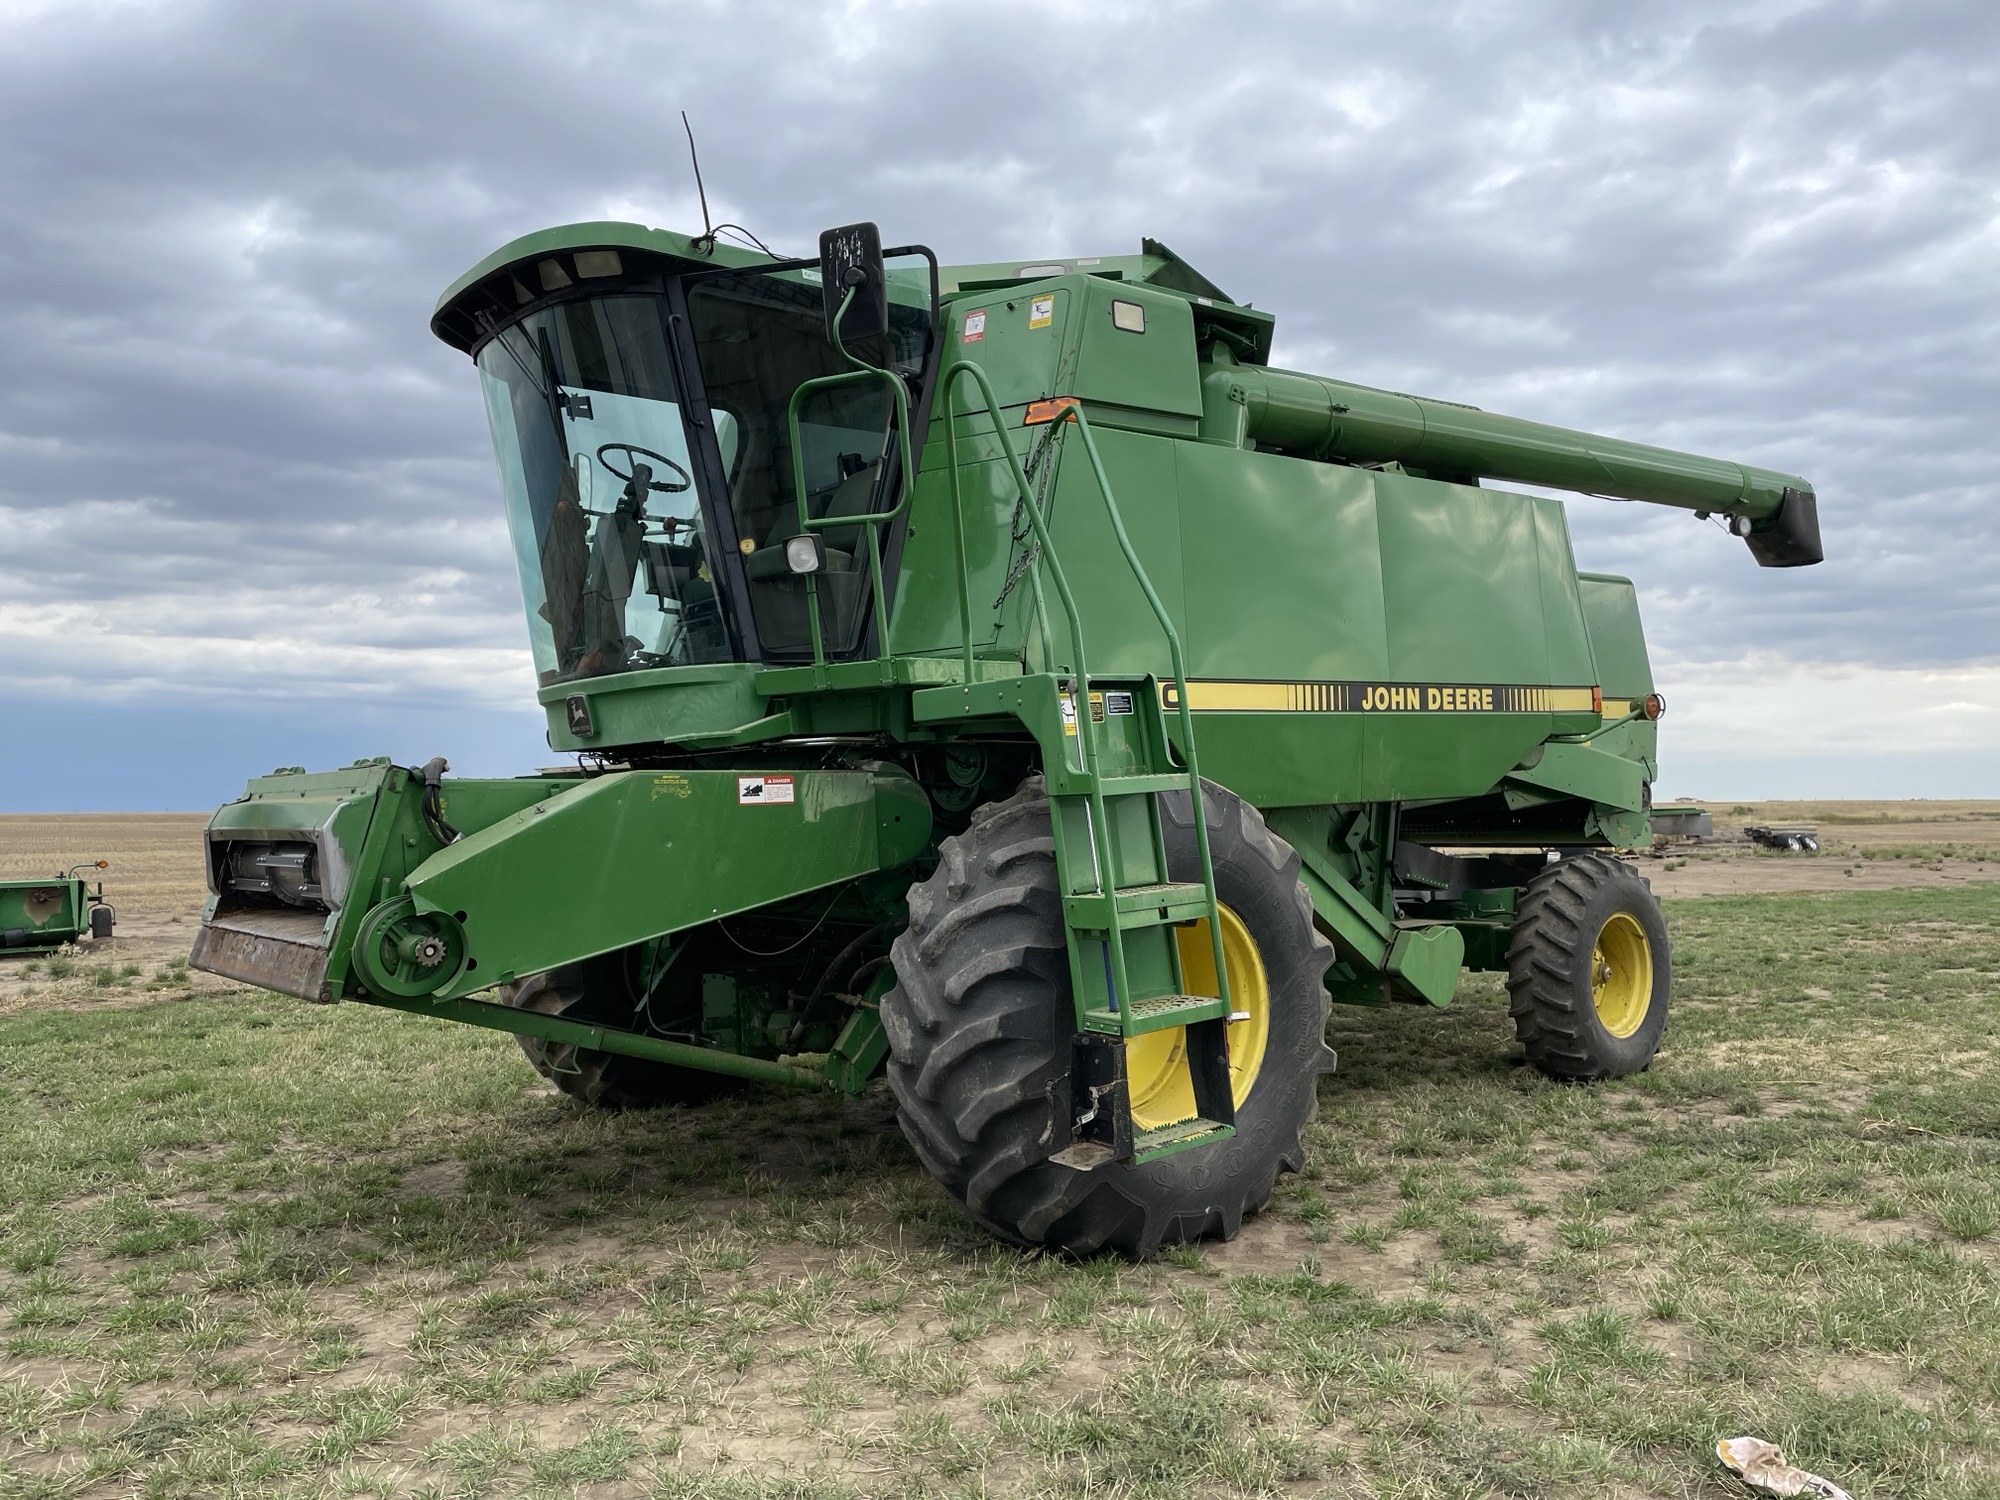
925	614
1002	329
1304	583
1147	365
1284	581
638	854
1288	581
1563	623
1121	631
1461	579
1611	610
665	703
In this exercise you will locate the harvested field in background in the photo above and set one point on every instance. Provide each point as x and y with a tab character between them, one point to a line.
253	1247
155	881
1863	846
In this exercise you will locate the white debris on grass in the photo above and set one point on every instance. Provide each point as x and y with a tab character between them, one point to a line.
1764	1465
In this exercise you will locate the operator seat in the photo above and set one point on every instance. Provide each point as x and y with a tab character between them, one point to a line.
853	496
778	595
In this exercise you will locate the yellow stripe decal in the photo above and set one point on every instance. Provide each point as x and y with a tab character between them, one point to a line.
1235	696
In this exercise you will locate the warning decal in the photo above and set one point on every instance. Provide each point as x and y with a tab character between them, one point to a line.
1042	310
975	327
755	791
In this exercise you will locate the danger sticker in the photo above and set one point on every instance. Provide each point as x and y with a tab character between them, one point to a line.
755	791
975	327
1042	311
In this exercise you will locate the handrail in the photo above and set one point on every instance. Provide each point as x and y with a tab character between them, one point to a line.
1075	414
874	519
1100	832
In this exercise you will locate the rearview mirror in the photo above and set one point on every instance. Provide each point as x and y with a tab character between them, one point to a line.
851	258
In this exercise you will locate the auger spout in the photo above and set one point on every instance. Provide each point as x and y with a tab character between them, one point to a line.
1316	417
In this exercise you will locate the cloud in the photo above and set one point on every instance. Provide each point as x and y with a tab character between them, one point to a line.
1760	726
233	461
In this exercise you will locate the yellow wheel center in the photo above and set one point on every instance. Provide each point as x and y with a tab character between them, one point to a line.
1156	1064
1621	974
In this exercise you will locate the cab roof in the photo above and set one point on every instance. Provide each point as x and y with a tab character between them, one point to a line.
525	269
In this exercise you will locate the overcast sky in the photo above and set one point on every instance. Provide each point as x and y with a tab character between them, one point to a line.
248	514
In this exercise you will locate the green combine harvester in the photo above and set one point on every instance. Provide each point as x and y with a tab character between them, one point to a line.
1002	677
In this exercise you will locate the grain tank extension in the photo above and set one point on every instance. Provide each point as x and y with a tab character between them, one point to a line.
1001	678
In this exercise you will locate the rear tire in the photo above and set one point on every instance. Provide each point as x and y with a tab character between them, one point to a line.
599	991
1589	970
981	1019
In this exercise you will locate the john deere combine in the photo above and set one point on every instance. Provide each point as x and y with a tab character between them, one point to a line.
1002	676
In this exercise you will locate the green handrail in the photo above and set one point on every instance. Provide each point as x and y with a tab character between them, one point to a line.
873	520
1075	414
1100	833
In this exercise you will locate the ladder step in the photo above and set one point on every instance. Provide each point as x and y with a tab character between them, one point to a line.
1158	1013
1127	786
1138	906
1151	1145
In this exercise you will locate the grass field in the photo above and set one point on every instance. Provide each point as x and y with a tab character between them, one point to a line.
254	1247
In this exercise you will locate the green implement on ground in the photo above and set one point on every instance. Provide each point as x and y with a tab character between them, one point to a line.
1001	678
49	913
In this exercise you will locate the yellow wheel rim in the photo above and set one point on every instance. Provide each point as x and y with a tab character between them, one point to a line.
1621	974
1156	1069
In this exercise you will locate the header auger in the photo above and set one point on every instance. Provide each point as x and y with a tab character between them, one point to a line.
1001	678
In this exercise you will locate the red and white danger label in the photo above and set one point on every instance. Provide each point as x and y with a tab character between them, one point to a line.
754	791
975	327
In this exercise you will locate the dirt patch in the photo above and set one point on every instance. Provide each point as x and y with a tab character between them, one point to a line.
1726	871
437	1179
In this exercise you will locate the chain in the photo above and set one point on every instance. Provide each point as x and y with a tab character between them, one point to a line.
1021	529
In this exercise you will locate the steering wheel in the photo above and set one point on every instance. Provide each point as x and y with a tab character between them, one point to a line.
634	454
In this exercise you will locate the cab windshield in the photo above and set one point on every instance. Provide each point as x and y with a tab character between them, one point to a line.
614	558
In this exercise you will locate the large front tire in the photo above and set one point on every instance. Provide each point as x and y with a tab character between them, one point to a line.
981	1020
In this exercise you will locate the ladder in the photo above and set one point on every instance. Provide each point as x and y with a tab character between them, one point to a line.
1121	909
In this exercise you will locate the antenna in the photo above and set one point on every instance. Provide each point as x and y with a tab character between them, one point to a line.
710	229
707	228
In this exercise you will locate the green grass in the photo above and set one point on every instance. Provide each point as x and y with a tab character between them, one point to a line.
251	1247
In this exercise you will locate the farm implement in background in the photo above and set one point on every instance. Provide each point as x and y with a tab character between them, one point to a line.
61	909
